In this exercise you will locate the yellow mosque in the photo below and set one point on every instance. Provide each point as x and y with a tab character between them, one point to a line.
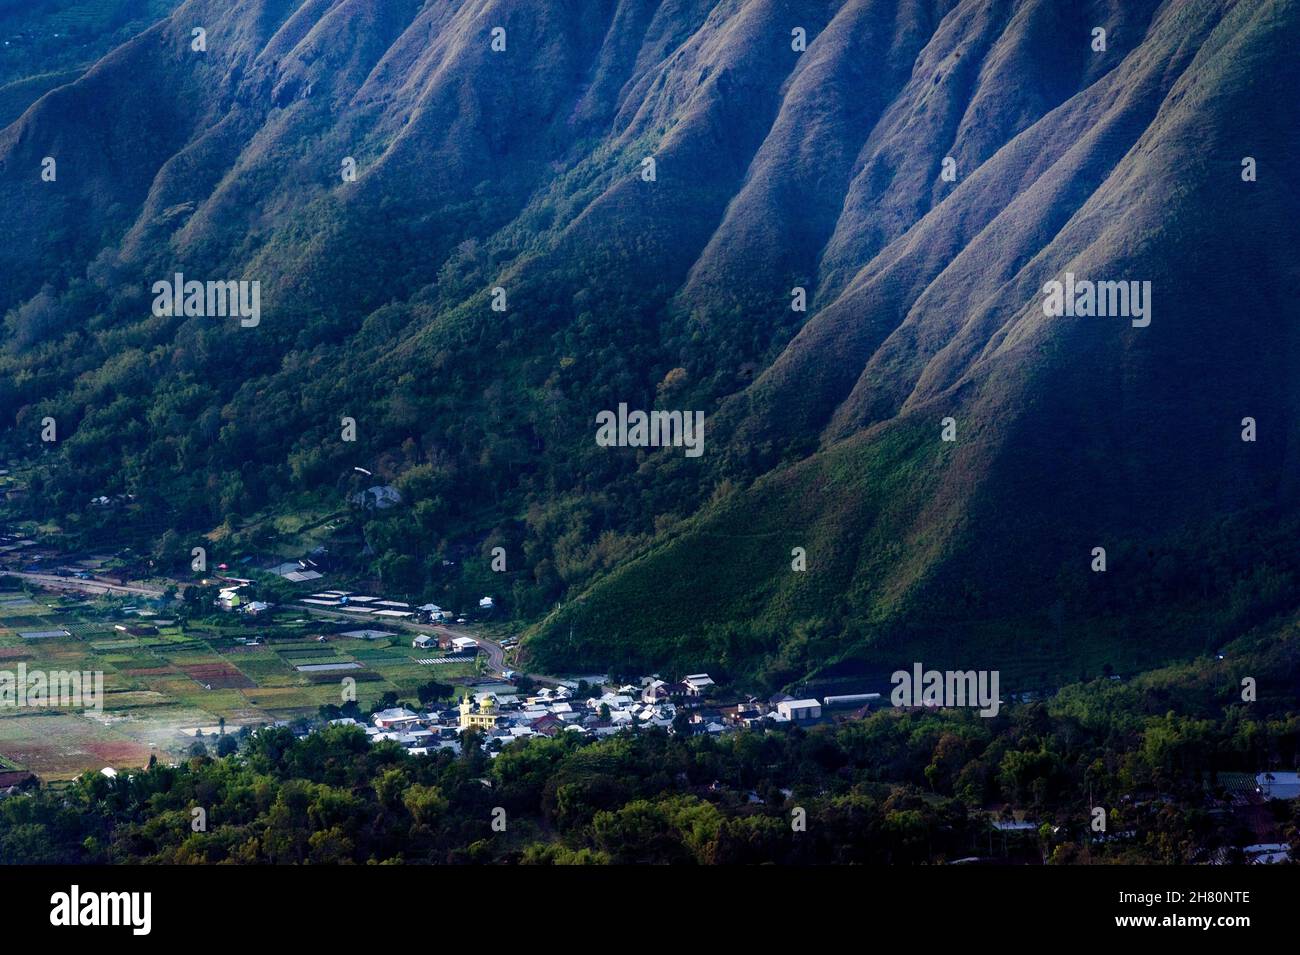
484	719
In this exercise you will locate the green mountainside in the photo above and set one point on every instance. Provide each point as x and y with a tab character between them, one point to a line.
522	169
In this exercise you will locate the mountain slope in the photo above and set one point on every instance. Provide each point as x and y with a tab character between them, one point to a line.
1073	433
521	168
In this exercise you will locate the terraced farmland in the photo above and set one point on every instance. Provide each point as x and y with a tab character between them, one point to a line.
172	679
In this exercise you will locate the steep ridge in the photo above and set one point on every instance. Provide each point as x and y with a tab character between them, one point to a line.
1073	432
980	278
793	193
521	168
802	390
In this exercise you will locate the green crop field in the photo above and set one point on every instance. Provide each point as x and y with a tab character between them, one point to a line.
160	688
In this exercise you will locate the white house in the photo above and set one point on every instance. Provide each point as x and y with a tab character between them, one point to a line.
799	709
434	612
423	642
654	692
485	604
464	644
697	683
228	598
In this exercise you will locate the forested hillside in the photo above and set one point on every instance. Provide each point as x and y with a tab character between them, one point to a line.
462	247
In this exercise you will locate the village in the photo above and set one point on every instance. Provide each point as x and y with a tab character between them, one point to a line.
501	712
374	650
267	648
505	705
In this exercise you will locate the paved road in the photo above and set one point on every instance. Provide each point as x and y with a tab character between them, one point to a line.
55	582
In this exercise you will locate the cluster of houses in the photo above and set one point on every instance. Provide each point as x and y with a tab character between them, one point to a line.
313	566
230	599
447	642
501	713
347	601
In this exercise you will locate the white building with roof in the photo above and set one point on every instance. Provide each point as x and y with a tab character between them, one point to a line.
799	709
697	683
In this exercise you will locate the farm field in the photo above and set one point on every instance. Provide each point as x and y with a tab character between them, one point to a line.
164	681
